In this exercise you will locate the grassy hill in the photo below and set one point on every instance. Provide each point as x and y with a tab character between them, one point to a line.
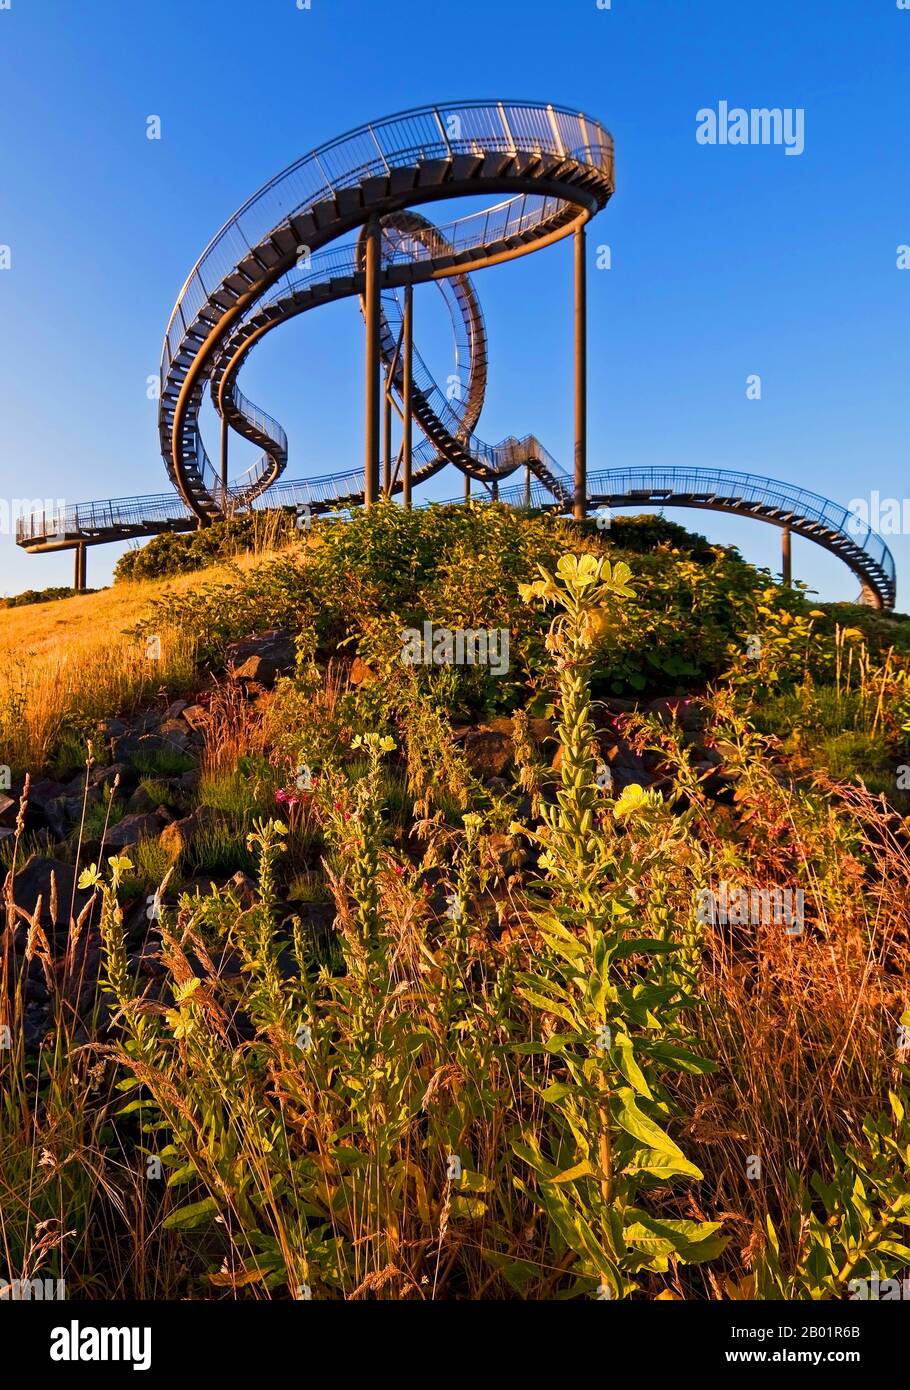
347	965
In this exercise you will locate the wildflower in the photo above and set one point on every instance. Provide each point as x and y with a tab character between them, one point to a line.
632	800
579	569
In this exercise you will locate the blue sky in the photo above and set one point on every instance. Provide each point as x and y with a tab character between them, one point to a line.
727	261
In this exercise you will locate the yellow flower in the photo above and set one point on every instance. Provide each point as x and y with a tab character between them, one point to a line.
618	578
582	570
538	588
632	799
183	991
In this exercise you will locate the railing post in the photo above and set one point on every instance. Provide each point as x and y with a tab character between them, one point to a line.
407	422
371	390
579	504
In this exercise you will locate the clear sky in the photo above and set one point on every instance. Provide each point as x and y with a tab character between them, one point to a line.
727	261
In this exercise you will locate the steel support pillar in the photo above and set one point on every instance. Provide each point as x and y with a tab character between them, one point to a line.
372	385
786	559
407	423
580	499
79	581
387	442
224	463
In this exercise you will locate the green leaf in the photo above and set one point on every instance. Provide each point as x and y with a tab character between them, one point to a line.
557	1091
188	1218
691	1241
636	1122
473	1208
549	1006
581	1170
624	1057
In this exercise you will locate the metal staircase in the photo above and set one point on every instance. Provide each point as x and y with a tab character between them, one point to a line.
556	163
299	243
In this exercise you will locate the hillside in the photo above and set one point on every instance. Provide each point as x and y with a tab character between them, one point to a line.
459	903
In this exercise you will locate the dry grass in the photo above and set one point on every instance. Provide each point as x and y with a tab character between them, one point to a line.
66	663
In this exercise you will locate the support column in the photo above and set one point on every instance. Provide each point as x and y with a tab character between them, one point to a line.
79	580
527	487
387	442
224	462
786	561
467	487
407	348
372	383
580	500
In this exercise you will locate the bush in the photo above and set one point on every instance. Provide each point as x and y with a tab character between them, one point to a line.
180	553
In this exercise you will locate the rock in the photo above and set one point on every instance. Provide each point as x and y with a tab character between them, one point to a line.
197	717
679	708
175	708
541	729
703	755
259	670
624	776
616	706
488	752
181	834
131	830
36	1025
133	746
65	812
622	756
43	791
502	724
140	803
105	776
147	961
8	809
276	646
174	728
113	728
35	881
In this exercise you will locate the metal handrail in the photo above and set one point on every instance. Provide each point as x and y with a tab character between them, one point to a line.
723	488
767	493
431	132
